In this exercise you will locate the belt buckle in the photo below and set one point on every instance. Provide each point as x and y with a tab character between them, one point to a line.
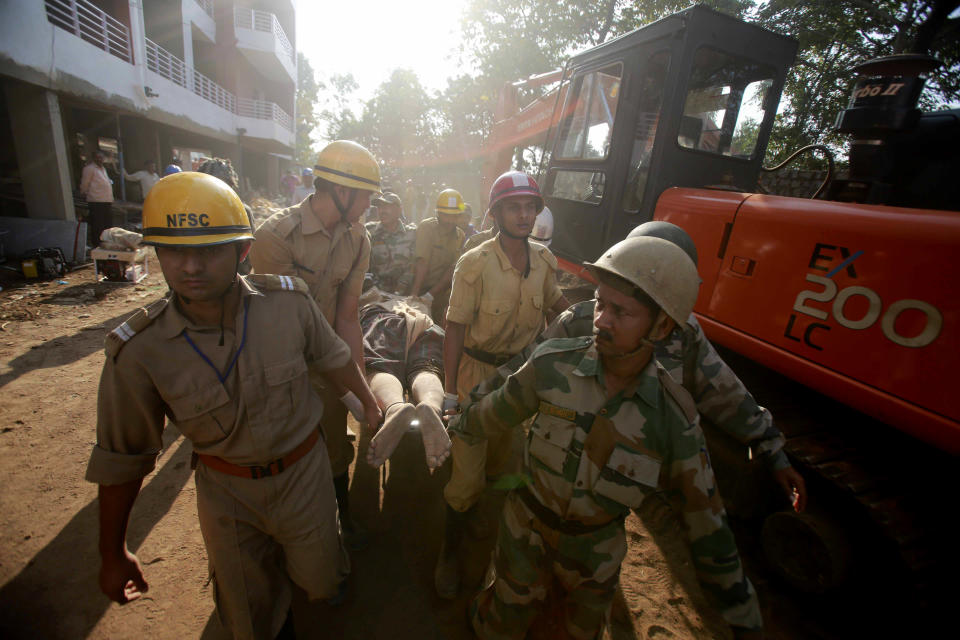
266	471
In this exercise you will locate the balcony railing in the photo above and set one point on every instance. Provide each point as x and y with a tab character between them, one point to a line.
263	110
265	22
164	63
206	5
89	22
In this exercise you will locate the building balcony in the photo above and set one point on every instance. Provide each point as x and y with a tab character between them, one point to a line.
199	14
262	41
88	22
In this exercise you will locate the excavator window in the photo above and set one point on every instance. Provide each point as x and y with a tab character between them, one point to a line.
651	83
580	186
725	104
590	108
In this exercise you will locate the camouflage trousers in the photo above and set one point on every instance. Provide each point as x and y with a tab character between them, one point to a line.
531	558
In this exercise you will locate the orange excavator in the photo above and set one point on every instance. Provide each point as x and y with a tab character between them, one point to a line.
852	294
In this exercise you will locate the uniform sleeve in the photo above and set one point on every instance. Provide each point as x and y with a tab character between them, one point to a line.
692	489
325	350
270	254
130	421
424	243
465	292
551	290
501	410
353	283
723	400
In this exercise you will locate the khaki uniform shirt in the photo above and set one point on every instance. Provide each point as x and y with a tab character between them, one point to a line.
250	404
478	238
439	249
294	242
503	311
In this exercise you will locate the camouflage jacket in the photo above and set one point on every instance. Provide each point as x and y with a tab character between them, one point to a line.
689	357
391	256
592	460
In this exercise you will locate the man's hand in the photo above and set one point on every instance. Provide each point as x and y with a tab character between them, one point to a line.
373	417
794	486
121	577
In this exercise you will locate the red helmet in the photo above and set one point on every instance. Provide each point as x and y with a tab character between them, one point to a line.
515	183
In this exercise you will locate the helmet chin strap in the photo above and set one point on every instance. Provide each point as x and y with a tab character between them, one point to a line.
645	342
340	206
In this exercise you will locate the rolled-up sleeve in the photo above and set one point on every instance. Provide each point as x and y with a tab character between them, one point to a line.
464	294
130	422
271	254
353	283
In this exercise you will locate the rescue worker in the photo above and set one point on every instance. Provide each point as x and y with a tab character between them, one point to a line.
224	358
503	290
320	240
690	358
611	428
403	351
391	246
438	246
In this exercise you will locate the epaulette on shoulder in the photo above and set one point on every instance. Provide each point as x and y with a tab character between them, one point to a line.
270	282
547	256
284	222
678	393
470	265
133	325
558	345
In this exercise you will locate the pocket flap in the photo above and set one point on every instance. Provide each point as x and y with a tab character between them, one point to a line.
199	402
638	467
286	371
497	307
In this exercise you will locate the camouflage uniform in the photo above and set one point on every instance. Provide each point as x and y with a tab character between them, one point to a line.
588	461
689	357
391	256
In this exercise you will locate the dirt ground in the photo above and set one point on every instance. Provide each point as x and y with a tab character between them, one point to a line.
51	338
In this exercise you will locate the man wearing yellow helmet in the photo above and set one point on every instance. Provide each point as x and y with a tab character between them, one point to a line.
224	358
438	247
322	241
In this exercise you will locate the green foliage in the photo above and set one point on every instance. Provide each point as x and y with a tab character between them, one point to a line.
306	100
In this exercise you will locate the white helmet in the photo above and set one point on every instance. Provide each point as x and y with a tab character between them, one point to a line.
543	227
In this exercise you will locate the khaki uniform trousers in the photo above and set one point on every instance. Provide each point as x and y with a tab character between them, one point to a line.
333	426
262	533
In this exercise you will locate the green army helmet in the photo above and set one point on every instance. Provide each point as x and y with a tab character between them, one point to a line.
657	267
667	231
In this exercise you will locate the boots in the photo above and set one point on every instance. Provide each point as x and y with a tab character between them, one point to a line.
446	576
355	537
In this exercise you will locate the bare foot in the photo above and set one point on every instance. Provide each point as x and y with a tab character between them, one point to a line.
385	441
436	442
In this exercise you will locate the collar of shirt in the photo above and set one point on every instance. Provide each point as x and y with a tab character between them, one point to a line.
310	223
172	322
535	265
646	385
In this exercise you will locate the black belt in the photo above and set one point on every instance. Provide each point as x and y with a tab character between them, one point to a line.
496	359
555	522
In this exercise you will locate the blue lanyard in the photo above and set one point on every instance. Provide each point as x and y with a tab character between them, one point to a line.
243	341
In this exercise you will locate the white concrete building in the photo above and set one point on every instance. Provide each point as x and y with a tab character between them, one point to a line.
141	80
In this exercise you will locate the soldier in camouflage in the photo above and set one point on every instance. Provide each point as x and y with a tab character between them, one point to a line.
611	427
391	246
688	356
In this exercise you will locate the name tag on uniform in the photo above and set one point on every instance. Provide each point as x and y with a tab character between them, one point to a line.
558	412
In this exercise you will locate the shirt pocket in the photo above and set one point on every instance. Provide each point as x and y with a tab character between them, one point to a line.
494	319
531	312
628	477
205	416
282	380
550	440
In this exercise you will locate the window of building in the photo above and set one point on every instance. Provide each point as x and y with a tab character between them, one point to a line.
589	111
726	103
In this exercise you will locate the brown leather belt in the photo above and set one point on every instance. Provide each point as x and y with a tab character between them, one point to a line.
272	468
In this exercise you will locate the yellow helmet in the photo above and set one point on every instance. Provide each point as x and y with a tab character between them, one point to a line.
348	164
450	201
193	209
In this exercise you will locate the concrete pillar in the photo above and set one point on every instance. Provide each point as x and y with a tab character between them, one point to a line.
273	174
41	151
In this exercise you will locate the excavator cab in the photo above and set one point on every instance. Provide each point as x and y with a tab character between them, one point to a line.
688	100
